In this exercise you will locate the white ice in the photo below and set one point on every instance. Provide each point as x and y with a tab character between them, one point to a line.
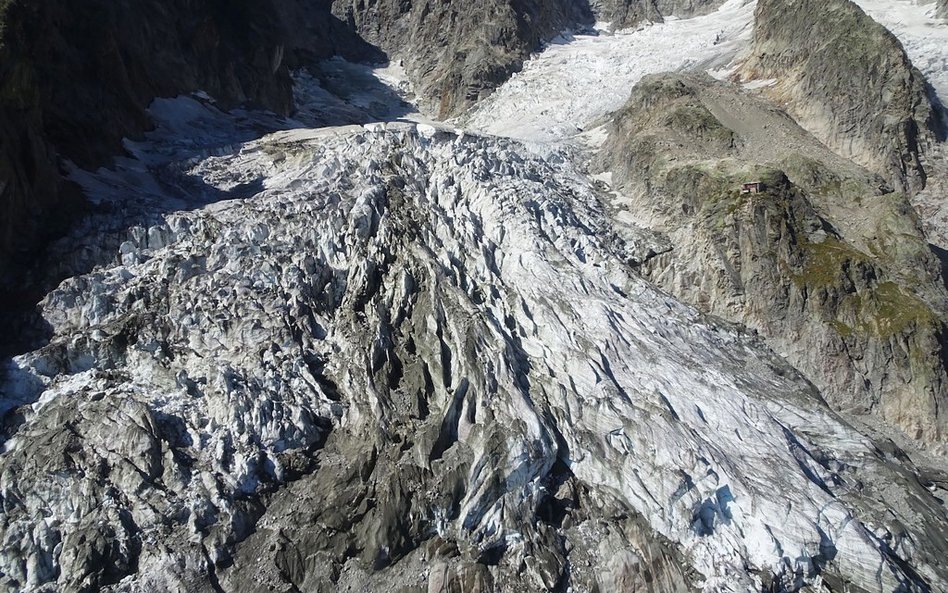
566	88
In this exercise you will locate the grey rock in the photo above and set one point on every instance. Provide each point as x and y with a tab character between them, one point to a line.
457	52
854	301
846	79
628	13
941	8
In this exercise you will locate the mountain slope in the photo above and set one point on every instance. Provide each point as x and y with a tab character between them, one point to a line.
847	80
922	35
571	87
628	13
411	344
412	357
74	83
458	52
835	272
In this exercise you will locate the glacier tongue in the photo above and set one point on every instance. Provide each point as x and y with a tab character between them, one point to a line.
456	305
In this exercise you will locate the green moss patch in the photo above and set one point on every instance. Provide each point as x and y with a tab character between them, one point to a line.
696	121
823	262
885	311
713	190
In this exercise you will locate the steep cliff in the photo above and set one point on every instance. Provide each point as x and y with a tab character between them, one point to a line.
832	271
628	13
31	196
457	52
847	80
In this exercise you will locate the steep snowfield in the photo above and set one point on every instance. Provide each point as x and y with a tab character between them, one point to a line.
924	36
564	89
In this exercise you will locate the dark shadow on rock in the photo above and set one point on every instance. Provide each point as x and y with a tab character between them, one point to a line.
338	93
92	72
940	125
942	255
553	510
22	328
568	37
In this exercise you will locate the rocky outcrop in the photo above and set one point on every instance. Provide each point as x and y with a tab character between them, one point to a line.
628	13
33	202
419	360
832	271
457	52
941	8
846	79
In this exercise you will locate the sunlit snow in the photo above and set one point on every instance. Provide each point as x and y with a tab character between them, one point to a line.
566	88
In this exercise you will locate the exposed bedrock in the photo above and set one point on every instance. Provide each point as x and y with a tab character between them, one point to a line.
846	78
628	13
457	52
829	267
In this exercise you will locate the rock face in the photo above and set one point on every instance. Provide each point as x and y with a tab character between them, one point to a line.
458	51
941	8
855	301
417	360
31	196
628	13
73	83
847	80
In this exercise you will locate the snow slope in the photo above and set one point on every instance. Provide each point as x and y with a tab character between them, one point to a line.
564	89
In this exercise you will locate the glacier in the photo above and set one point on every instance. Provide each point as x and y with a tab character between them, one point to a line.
263	303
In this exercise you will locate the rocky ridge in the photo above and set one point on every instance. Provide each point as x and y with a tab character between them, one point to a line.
629	13
846	79
856	302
